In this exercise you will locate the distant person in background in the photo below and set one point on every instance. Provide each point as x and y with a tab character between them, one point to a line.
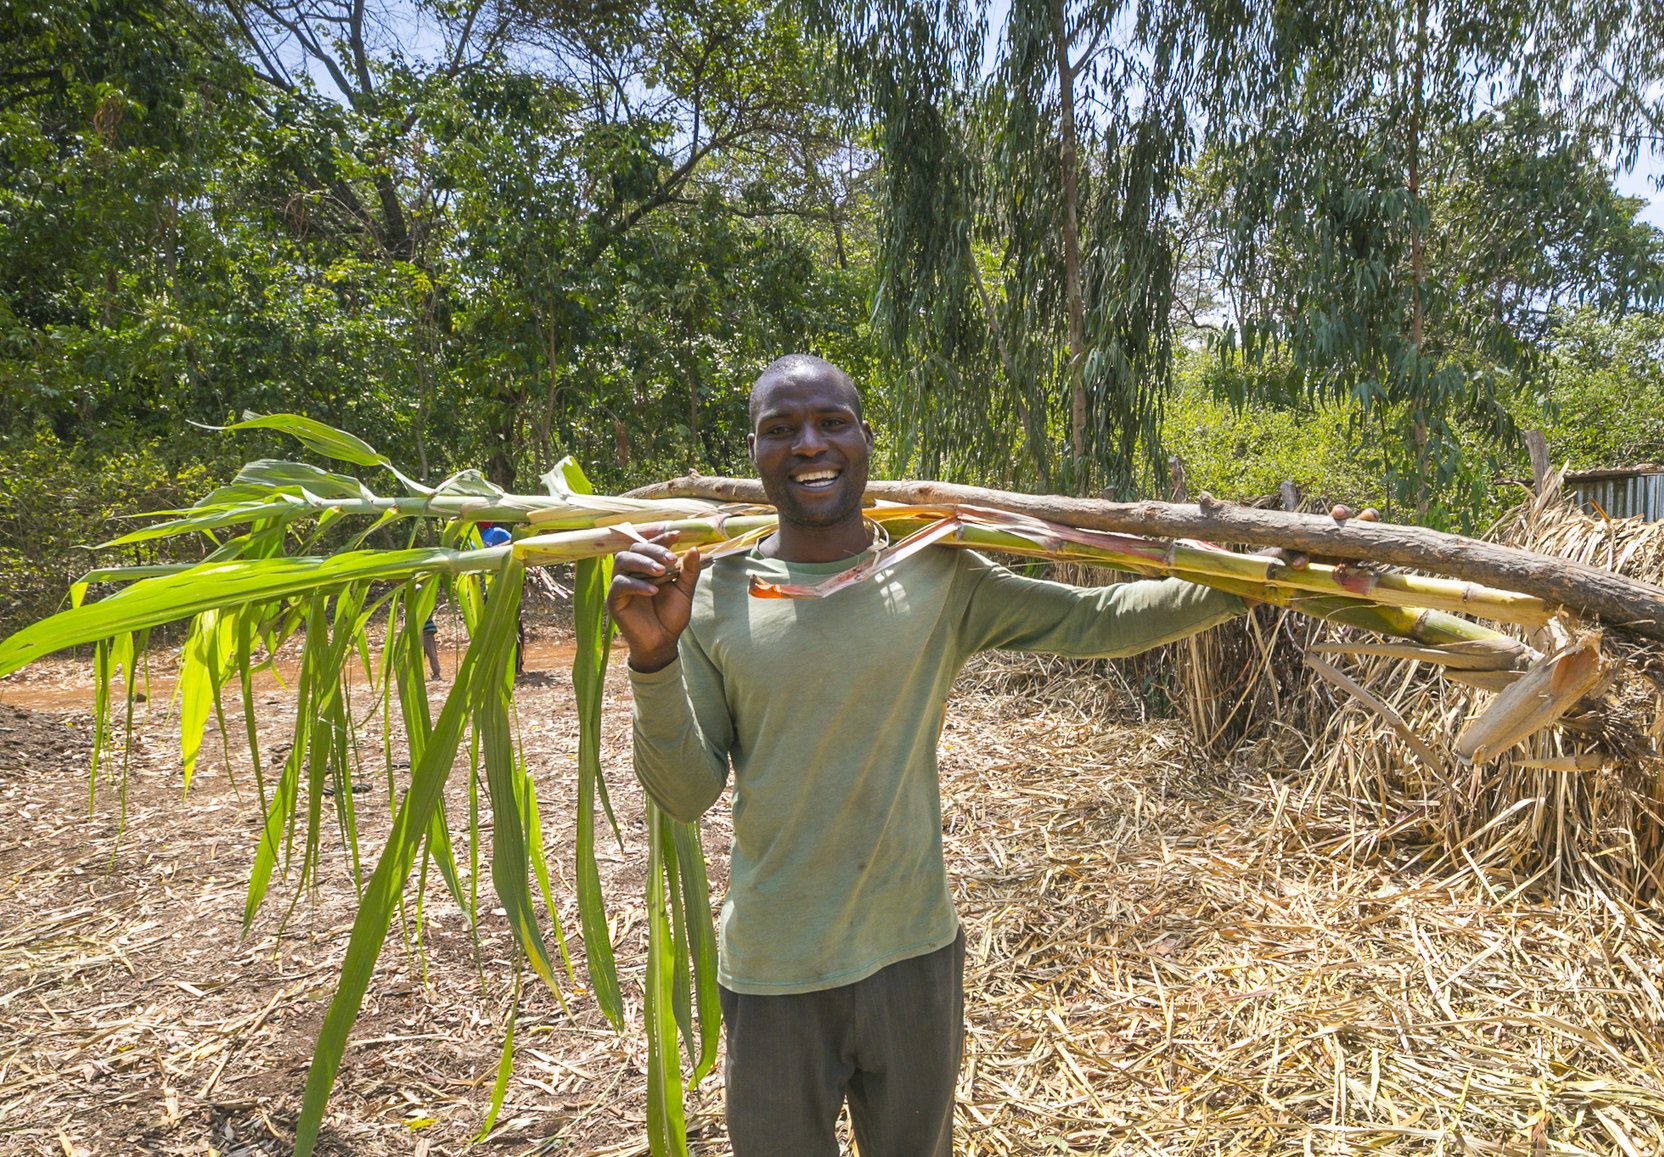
430	645
493	535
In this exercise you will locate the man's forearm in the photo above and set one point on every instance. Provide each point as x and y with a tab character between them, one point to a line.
674	760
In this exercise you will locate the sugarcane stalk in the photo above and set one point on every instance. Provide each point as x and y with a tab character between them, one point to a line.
1316	590
1545	693
1428	626
1195	560
1585	590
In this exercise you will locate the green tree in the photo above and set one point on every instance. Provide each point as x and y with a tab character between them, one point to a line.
1026	252
1394	200
1402	208
1606	391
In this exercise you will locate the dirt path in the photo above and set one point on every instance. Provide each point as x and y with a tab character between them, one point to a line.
1163	958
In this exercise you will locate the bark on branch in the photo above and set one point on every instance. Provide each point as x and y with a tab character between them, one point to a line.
1584	590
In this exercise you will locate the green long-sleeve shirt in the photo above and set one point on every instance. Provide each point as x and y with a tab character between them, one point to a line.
828	712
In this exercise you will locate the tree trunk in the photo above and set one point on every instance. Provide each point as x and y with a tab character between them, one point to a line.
1536	445
691	374
1417	242
1585	590
546	420
1068	149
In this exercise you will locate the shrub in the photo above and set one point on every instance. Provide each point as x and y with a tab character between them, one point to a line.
56	500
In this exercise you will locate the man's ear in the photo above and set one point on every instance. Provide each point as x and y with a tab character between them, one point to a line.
751	447
867	430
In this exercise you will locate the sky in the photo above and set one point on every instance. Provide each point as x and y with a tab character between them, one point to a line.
1639	183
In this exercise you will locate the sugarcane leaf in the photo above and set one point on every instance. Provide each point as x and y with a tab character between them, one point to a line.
470	484
486	656
588	673
232	494
681	978
211	585
540	870
195	689
287	789
327	757
387	518
356	642
110	574
1380	707
110	654
508	836
282	476
505	1066
123	654
272	831
406	661
101	664
280	507
666	1125
339	775
243	658
317	436
567	478
696	906
323	439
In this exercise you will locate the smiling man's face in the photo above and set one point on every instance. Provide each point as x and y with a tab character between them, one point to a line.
809	443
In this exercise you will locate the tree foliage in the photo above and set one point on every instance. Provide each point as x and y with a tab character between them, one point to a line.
1393	201
1404	201
1606	392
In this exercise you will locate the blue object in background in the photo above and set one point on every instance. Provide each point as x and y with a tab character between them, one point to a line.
495	536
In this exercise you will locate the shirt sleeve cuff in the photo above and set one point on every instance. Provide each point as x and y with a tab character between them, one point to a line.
671	672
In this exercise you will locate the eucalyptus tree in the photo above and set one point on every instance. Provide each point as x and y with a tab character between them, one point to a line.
1404	196
1337	158
1026	253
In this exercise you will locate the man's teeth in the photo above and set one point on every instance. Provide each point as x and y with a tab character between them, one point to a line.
818	479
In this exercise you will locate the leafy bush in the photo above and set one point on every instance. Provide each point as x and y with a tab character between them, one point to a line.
1242	452
56	500
1606	396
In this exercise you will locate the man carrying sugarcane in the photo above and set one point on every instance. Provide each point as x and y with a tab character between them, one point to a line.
840	955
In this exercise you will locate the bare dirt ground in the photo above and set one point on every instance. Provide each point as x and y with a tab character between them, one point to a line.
1164	957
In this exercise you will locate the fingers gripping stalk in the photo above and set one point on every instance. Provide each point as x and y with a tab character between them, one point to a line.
651	597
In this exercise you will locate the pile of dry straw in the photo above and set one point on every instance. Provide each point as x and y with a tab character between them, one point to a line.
1581	803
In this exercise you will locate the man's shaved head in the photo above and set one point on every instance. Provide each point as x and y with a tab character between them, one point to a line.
802	368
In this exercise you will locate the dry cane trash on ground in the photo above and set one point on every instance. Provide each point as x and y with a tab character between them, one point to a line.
1167	955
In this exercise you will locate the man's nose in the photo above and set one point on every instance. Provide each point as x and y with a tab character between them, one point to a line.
810	440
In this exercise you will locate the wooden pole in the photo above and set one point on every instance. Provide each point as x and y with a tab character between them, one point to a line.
1180	490
1536	445
1585	590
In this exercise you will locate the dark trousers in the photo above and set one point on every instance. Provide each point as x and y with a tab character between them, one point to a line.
891	1043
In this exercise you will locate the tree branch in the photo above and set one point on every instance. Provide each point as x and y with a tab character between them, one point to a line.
1586	590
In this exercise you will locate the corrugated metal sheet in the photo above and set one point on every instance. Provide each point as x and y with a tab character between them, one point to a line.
1634	495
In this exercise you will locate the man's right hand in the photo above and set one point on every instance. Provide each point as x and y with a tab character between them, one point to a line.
650	611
